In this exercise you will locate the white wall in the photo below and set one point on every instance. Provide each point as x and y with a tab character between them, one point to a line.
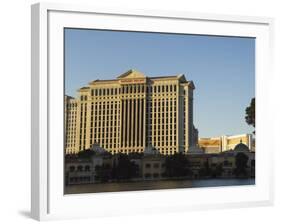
15	109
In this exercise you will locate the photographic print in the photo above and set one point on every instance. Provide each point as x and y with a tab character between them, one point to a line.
151	111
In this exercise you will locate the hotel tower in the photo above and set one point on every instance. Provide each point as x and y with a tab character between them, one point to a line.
130	113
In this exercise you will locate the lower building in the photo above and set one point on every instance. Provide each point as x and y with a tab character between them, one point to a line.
103	167
152	164
78	171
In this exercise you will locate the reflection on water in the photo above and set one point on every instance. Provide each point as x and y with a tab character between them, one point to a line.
154	185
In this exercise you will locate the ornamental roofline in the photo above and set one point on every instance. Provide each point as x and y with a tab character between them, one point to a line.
83	89
68	97
134	74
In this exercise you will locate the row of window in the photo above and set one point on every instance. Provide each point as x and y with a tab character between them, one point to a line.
71	127
128	90
69	146
162	102
70	139
115	91
105	114
162	138
72	113
80	168
170	105
110	114
131	89
71	119
103	106
79	179
152	123
115	144
154	175
110	117
113	130
70	106
154	165
162	119
115	150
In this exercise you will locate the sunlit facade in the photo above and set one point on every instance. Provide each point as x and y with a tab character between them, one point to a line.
134	111
70	123
225	143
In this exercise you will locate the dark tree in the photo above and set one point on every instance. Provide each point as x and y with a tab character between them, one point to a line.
103	173
217	170
241	160
205	171
251	113
177	166
86	154
124	169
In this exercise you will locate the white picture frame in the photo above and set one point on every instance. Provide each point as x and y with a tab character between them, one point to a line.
48	200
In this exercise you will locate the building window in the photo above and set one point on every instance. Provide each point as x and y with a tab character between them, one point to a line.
156	165
147	165
87	168
156	175
80	168
72	168
147	175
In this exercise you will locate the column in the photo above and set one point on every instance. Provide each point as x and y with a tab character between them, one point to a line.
144	122
132	122
140	123
136	124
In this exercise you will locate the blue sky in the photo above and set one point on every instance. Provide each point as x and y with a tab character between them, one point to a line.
222	69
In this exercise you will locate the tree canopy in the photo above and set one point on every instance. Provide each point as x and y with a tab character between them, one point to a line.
251	113
177	165
241	161
125	169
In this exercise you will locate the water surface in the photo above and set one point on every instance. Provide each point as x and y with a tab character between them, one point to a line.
154	185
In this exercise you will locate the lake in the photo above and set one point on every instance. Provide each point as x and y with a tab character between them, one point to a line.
154	185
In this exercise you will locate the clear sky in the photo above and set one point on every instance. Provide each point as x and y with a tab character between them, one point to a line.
222	69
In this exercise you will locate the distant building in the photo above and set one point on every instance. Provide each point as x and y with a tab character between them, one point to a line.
221	165
225	143
70	123
132	112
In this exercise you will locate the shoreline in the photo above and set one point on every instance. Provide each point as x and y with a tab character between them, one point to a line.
155	185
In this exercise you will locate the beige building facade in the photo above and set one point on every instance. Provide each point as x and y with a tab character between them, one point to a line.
132	112
70	123
225	143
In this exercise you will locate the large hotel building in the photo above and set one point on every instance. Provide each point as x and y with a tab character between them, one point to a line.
130	113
